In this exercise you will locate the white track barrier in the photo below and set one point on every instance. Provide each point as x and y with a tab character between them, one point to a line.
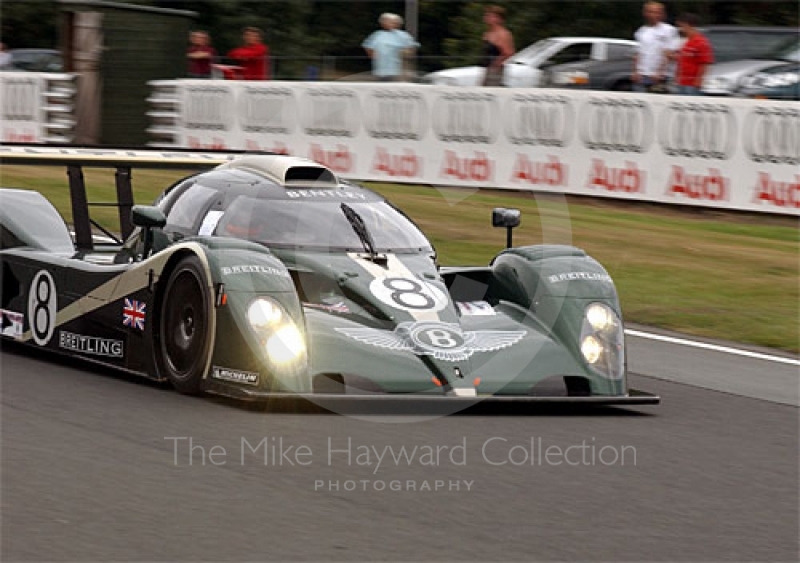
37	107
711	152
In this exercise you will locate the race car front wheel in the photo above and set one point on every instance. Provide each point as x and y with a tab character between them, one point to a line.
184	336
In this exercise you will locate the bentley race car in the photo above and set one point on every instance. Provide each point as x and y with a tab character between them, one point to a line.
267	276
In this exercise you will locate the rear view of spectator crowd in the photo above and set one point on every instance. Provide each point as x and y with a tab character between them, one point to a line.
250	60
693	57
252	56
200	55
388	47
669	59
664	59
498	45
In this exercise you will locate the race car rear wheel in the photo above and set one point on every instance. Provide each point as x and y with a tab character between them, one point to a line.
184	336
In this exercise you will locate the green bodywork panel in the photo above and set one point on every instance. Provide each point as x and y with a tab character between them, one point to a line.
343	306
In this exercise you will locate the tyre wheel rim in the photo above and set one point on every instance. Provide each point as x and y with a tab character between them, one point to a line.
184	325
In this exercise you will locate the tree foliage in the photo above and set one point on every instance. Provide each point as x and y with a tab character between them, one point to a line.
29	24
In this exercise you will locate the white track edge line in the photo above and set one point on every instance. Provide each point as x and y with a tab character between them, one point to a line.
714	347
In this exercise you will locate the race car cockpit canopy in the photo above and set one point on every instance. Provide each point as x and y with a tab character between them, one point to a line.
319	225
236	201
276	200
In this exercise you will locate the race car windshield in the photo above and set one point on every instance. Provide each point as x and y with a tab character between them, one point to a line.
319	225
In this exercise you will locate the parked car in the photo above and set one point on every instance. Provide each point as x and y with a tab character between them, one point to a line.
35	60
779	82
728	42
760	45
736	42
524	68
723	79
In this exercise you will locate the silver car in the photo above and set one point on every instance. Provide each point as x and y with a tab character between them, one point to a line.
524	68
723	79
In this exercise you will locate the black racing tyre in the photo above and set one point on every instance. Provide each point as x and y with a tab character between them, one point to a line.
184	337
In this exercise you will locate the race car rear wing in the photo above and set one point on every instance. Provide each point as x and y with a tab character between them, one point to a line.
123	160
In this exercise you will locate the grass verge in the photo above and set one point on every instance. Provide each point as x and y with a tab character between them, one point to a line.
710	274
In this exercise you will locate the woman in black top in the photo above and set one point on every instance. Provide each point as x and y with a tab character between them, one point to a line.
498	45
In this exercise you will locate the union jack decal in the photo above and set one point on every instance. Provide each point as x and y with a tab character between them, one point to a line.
133	314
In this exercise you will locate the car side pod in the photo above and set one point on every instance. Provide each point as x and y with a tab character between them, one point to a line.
508	219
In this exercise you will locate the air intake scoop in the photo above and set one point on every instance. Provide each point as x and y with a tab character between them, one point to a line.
288	171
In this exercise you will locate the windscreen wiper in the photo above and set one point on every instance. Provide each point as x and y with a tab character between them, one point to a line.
363	234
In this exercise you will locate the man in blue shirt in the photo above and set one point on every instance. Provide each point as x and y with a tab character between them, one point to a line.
387	46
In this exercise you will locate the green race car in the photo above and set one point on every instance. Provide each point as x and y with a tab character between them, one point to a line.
267	276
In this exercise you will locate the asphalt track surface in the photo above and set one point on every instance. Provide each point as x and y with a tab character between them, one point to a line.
87	475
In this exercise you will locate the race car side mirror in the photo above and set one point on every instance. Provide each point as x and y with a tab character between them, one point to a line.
148	218
508	219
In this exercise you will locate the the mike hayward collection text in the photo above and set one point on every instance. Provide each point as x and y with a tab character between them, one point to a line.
498	451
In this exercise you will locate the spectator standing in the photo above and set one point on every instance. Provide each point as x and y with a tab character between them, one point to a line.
387	46
498	45
200	54
693	58
656	41
5	57
252	56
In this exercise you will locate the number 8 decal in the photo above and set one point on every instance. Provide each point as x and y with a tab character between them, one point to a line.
408	294
42	305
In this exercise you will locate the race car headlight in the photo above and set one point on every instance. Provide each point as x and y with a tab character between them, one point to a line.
602	341
282	340
264	312
601	318
591	349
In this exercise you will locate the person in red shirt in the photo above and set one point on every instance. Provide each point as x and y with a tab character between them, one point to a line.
200	54
253	56
693	58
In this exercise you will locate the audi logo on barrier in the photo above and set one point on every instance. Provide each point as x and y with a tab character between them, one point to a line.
208	107
20	99
330	112
395	114
773	135
544	120
468	117
267	110
617	124
697	130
